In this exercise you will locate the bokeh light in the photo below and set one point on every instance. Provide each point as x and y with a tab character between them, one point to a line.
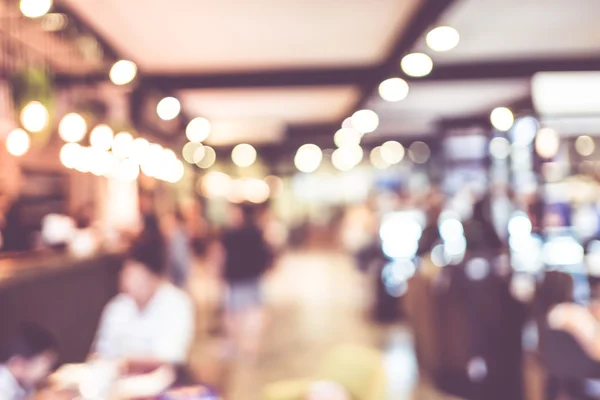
122	145
35	8
101	162
72	128
198	130
585	146
256	191
243	155
128	171
35	117
275	185
392	152
101	137
417	65
393	89
547	143
347	157
84	161
150	164
347	137
18	142
347	123
419	152
123	72
308	158
69	155
209	159
377	159
138	150
189	152
365	121
216	184
442	38
502	119
500	148
168	108
524	130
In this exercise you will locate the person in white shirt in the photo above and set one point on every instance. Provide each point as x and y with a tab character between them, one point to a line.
26	362
151	322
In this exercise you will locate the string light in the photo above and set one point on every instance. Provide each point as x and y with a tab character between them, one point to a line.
35	8
243	155
417	65
393	89
72	128
35	117
101	137
168	108
18	142
442	38
365	121
123	72
198	130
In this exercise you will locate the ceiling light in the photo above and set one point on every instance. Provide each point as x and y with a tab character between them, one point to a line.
365	121
17	142
377	159
416	65
308	158
35	8
168	108
209	159
72	128
198	129
122	72
585	146
102	137
442	38
502	119
499	148
419	152
393	89
122	145
347	137
547	143
34	117
243	155
392	152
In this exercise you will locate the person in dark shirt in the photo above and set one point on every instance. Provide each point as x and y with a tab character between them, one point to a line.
246	258
480	232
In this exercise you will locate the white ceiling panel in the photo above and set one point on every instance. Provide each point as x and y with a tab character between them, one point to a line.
228	35
522	29
428	102
290	105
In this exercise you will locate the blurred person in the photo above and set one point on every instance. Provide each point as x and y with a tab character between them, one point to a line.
246	257
151	322
179	257
26	362
15	234
431	234
479	231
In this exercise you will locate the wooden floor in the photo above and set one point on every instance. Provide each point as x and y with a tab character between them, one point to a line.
316	299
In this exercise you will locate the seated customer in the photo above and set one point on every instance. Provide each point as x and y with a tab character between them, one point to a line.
27	362
151	323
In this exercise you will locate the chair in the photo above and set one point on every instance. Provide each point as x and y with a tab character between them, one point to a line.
358	369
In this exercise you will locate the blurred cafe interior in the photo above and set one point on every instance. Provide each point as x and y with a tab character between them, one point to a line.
300	200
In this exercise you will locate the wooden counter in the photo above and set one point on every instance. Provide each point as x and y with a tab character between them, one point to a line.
64	294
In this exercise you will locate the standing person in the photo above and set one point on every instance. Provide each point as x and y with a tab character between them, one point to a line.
26	362
179	255
246	258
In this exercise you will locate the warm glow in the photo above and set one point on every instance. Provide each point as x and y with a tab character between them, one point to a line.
347	137
442	38
17	142
209	159
198	130
35	8
168	108
101	162
547	143
256	191
377	159
123	72
236	192
499	148
70	154
174	170
308	158
102	137
216	184
347	123
392	152
139	147
346	158
128	171
393	89
419	152
72	128
502	119
243	155
34	117
84	160
585	146
417	65
365	121
275	185
122	145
